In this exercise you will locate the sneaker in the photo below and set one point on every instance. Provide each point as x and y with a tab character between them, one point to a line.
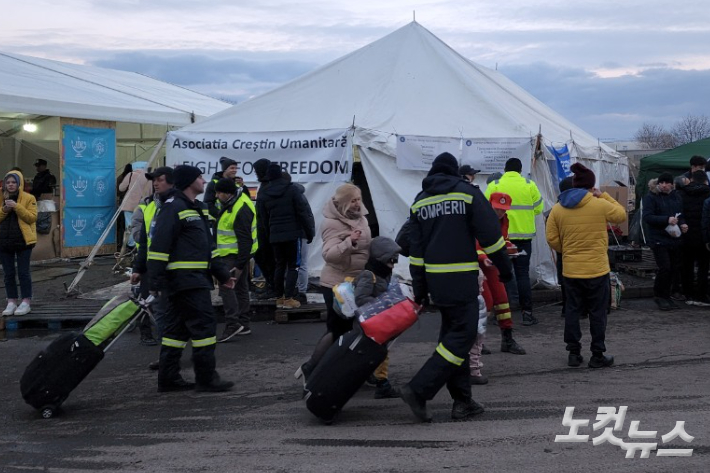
417	406
479	380
601	361
701	302
217	385
466	409
662	303
529	318
385	390
10	309
574	360
280	302
148	340
23	308
677	296
243	330
690	301
290	304
229	332
175	386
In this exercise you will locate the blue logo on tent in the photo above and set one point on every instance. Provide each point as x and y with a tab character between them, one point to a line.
402	139
469	142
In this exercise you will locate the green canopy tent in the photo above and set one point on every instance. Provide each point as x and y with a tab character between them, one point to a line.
674	161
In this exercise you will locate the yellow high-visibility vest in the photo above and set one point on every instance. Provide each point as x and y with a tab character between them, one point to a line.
226	238
526	203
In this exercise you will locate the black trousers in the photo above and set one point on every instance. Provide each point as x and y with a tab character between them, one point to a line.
286	273
695	255
264	258
334	323
189	317
449	364
586	296
668	263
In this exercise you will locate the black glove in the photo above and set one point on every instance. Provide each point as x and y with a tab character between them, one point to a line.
505	277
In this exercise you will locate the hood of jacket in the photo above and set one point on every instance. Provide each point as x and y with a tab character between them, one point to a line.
331	211
277	187
695	189
572	198
440	183
383	249
20	181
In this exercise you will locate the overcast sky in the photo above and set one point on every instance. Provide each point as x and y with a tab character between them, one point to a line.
606	65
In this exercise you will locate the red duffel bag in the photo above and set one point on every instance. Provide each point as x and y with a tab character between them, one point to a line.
388	316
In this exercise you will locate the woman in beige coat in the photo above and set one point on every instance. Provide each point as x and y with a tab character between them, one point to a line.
346	248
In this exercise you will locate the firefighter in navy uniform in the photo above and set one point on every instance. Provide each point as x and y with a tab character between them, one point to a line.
180	261
446	219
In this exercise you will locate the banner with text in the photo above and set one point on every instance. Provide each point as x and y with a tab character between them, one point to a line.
309	156
88	184
485	154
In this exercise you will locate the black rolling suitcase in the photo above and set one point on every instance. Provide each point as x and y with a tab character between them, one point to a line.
343	370
58	369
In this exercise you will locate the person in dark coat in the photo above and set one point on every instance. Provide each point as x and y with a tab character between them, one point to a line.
661	209
285	215
44	180
264	256
694	253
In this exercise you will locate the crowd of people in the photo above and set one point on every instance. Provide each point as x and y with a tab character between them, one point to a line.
469	254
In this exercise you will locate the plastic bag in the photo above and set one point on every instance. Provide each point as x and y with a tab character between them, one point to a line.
673	230
388	316
344	299
482	315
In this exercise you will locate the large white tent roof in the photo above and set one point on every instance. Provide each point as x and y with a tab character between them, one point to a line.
31	85
409	83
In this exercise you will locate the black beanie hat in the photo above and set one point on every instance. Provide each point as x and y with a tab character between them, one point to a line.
665	177
273	172
226	185
225	162
445	163
513	164
185	175
260	168
584	177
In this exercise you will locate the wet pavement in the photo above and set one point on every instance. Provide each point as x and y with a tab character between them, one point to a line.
116	421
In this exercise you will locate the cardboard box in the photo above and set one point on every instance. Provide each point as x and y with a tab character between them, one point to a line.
621	195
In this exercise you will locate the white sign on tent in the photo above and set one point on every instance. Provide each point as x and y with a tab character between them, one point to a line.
486	154
309	156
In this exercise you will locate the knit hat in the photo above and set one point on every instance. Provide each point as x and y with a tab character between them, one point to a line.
273	172
185	175
584	177
260	168
445	163
665	177
226	185
513	164
225	162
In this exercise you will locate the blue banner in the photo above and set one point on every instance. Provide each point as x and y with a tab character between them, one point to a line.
563	162
88	184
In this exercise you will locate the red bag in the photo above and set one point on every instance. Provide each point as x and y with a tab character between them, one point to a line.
389	323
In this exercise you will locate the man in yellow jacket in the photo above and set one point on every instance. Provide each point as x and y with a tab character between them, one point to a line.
577	228
526	204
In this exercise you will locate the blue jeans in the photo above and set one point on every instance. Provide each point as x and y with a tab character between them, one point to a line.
302	262
23	271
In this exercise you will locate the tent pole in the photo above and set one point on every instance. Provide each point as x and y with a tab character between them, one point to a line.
89	259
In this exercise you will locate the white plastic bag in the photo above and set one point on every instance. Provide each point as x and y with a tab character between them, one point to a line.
482	315
344	299
674	230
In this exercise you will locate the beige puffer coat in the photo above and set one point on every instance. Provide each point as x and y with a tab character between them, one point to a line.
342	258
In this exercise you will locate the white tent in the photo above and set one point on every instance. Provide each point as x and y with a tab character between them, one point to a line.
37	86
408	83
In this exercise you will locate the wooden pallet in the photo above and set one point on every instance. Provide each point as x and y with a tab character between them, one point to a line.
70	313
642	269
305	313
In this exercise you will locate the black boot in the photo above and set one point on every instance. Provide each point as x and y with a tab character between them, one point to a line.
385	390
508	345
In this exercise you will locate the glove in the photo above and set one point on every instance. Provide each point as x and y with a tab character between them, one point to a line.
421	300
505	277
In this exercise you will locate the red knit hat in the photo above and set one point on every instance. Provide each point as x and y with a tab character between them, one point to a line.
583	177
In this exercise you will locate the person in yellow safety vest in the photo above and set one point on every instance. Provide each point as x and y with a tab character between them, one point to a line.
141	223
182	260
527	203
236	243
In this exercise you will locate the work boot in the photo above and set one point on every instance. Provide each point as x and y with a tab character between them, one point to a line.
574	359
290	303
280	302
417	405
385	390
529	318
178	384
154	365
147	337
508	345
600	360
217	385
463	410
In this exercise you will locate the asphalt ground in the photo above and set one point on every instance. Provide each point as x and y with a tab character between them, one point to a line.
117	421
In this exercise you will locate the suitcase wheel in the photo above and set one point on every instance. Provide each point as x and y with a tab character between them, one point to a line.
48	412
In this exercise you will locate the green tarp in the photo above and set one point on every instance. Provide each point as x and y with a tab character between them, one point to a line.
674	161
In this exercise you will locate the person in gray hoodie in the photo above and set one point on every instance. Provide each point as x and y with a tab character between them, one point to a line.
370	283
